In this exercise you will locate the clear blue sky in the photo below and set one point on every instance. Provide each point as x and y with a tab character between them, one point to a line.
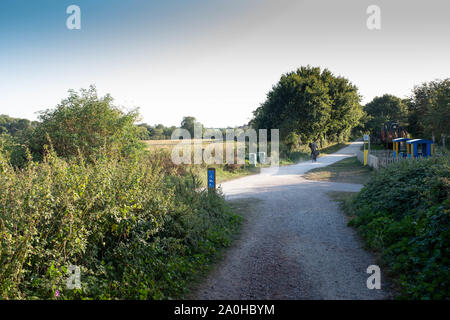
212	59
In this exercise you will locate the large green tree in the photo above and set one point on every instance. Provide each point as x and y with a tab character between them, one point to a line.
429	109
189	123
383	109
310	103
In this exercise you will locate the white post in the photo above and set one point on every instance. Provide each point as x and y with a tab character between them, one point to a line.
252	159
262	157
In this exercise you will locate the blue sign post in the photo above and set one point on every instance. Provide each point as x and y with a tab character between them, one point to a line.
211	179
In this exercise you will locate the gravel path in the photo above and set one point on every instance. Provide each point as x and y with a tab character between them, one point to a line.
295	244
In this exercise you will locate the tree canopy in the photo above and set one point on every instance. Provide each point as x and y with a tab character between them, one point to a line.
189	123
308	104
383	109
429	109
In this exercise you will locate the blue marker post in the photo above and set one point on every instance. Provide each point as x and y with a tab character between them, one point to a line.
211	179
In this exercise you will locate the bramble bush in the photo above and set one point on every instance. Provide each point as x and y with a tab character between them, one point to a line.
138	226
137	229
403	212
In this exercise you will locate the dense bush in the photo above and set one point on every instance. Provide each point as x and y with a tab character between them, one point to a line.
136	231
404	213
86	123
15	149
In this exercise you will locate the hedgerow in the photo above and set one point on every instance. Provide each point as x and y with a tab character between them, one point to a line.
403	212
138	229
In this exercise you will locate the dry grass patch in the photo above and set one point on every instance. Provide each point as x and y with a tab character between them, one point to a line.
348	170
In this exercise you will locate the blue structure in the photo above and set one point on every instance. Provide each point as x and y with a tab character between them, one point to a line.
211	178
419	148
396	147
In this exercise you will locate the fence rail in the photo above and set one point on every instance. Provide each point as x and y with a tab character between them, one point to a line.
382	158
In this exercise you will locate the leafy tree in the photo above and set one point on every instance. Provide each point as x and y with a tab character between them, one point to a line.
346	111
159	131
311	104
429	109
291	141
15	149
167	131
189	123
14	137
438	118
86	123
144	131
383	109
14	126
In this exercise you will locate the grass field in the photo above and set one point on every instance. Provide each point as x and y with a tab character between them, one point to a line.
169	144
222	174
349	170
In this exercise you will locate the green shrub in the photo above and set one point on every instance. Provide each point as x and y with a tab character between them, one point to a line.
87	124
403	212
136	231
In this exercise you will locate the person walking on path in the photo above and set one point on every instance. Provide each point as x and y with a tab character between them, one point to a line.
313	147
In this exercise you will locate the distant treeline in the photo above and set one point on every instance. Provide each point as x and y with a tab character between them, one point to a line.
157	132
161	132
15	126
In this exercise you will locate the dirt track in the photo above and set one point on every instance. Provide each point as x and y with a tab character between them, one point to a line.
295	244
